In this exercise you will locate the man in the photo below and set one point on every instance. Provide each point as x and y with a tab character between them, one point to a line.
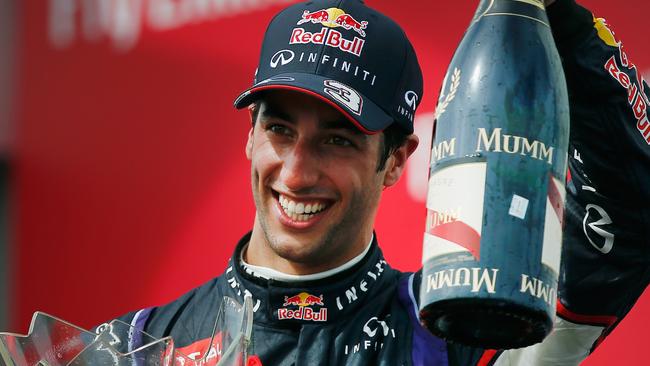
332	111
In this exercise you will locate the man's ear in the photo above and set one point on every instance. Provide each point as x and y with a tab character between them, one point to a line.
249	144
397	160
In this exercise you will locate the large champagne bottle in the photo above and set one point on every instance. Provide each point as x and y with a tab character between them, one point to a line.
495	202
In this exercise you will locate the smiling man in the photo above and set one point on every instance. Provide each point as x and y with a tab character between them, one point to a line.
316	182
332	109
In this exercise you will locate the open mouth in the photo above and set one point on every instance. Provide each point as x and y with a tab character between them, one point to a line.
301	211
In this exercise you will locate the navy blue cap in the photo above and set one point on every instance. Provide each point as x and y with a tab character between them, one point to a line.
347	54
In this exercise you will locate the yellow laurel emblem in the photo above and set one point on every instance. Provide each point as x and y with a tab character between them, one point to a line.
443	103
604	32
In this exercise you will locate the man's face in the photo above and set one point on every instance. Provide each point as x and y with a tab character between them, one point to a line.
315	184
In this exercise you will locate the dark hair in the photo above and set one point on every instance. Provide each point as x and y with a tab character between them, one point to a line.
394	137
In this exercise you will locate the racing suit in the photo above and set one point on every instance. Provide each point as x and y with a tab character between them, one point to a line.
367	315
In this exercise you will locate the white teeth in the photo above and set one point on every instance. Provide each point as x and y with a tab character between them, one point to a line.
300	208
299	211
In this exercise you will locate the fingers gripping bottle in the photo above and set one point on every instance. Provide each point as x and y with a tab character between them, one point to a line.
492	242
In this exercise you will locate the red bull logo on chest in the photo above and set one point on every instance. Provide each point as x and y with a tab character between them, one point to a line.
304	301
329	19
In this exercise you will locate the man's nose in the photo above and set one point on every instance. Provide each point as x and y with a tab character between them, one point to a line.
301	167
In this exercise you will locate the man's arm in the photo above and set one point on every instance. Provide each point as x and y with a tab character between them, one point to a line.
606	250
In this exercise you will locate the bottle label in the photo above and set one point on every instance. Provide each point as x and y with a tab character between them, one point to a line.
551	251
455	210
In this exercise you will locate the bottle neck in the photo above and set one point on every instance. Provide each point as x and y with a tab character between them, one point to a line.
531	9
537	3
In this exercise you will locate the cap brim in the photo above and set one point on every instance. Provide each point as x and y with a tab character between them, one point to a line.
363	113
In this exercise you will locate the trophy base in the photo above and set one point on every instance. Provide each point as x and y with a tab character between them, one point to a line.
486	323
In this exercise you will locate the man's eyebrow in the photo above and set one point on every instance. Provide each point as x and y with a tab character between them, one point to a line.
271	112
342	124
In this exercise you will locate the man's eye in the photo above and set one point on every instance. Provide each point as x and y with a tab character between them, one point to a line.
339	141
278	129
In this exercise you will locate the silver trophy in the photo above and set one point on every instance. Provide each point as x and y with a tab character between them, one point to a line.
55	342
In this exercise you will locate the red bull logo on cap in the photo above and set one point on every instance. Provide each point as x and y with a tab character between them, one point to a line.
329	19
304	301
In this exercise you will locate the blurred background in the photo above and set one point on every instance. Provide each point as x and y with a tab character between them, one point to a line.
123	179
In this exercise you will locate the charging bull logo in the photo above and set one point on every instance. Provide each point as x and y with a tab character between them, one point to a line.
305	311
303	299
334	17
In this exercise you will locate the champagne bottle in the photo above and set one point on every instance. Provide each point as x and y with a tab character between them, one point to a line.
492	242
